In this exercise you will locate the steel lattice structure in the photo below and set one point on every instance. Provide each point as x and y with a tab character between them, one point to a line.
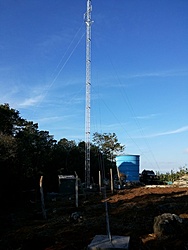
88	22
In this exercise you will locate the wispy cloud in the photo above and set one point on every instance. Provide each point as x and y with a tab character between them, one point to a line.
166	73
170	132
32	101
145	117
9	92
52	119
120	80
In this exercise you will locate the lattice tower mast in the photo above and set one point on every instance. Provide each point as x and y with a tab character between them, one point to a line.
88	22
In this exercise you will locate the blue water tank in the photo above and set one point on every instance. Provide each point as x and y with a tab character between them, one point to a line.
128	165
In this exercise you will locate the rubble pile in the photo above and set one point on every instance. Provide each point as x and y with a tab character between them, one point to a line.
182	182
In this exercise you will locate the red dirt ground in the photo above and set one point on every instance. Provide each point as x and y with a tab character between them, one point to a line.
131	213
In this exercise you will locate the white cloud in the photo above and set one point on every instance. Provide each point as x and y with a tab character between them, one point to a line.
149	116
170	132
31	101
176	131
159	74
51	119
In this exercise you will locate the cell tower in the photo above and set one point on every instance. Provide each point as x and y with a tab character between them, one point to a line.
88	22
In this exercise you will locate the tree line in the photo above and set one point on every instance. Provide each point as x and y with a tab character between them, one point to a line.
26	153
170	177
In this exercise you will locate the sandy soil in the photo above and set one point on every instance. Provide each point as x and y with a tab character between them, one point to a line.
131	213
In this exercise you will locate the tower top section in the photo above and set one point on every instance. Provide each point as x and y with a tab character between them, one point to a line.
87	16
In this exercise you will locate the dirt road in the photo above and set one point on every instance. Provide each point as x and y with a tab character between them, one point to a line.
131	213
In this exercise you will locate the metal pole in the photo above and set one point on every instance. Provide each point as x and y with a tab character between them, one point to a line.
88	22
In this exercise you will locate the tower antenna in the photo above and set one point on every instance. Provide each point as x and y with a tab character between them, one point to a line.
88	22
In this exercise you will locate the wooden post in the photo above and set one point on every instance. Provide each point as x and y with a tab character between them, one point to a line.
119	177
76	190
99	181
42	198
111	179
107	215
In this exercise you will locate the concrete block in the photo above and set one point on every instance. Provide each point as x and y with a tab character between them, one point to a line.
102	242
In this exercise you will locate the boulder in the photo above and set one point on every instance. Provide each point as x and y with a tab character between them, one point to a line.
168	225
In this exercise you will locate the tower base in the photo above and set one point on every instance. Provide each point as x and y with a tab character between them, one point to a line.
102	242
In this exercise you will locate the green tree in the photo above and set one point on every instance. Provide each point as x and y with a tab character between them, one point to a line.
108	144
34	149
108	147
64	159
10	122
24	150
8	148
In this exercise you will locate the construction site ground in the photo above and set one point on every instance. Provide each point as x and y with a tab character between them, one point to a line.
131	213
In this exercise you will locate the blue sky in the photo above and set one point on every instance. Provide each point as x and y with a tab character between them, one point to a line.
139	72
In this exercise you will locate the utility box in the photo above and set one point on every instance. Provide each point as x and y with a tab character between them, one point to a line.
67	184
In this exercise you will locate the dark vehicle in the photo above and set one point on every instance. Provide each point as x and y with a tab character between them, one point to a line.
149	177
